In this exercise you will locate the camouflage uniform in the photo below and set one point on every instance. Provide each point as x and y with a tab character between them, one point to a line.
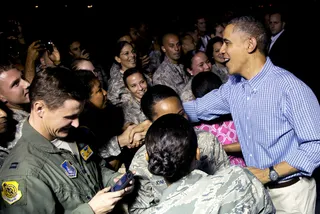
220	72
117	91
150	187
19	116
187	94
132	112
232	190
171	75
155	62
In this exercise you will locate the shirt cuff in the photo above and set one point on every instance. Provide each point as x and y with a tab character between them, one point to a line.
190	109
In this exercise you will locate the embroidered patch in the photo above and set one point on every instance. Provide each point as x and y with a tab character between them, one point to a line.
69	169
14	165
86	152
10	192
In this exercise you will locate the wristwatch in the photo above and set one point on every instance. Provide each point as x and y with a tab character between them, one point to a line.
273	175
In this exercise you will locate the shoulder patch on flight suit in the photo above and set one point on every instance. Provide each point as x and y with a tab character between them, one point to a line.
86	152
69	169
10	191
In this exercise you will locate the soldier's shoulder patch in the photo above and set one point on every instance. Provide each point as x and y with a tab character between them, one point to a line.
10	192
86	152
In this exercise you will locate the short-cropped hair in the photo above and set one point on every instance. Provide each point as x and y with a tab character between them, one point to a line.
154	95
55	85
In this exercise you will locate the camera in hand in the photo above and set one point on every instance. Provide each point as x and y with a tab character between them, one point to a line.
47	45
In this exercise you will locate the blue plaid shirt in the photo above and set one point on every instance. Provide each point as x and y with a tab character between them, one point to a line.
277	118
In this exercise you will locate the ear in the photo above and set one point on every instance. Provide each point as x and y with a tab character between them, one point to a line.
3	99
189	71
251	44
163	49
39	108
198	154
283	25
147	156
117	59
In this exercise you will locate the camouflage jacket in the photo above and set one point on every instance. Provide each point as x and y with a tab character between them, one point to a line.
19	116
171	75
117	91
187	94
233	190
132	112
155	61
150	187
220	72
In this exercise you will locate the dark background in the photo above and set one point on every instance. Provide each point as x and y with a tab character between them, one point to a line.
99	25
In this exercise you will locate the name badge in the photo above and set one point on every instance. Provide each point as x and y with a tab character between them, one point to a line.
86	152
69	169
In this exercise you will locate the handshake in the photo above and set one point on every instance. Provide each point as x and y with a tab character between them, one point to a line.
133	135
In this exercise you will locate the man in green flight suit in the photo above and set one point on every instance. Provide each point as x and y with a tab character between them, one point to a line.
50	170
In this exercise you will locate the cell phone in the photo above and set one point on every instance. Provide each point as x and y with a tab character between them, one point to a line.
46	45
122	182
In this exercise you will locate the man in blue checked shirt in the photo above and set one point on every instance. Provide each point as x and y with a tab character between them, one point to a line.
277	117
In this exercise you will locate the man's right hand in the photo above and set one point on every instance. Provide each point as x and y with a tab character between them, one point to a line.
104	201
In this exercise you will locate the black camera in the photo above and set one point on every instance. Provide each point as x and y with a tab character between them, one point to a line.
47	45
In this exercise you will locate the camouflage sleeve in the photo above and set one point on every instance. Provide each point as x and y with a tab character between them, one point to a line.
160	77
155	61
251	197
143	198
113	92
129	115
117	94
216	156
111	148
187	95
263	203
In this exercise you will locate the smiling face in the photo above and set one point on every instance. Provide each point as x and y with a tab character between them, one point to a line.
56	123
217	56
200	63
127	57
234	50
137	85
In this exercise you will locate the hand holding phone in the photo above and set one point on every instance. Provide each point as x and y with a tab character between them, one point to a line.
123	182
